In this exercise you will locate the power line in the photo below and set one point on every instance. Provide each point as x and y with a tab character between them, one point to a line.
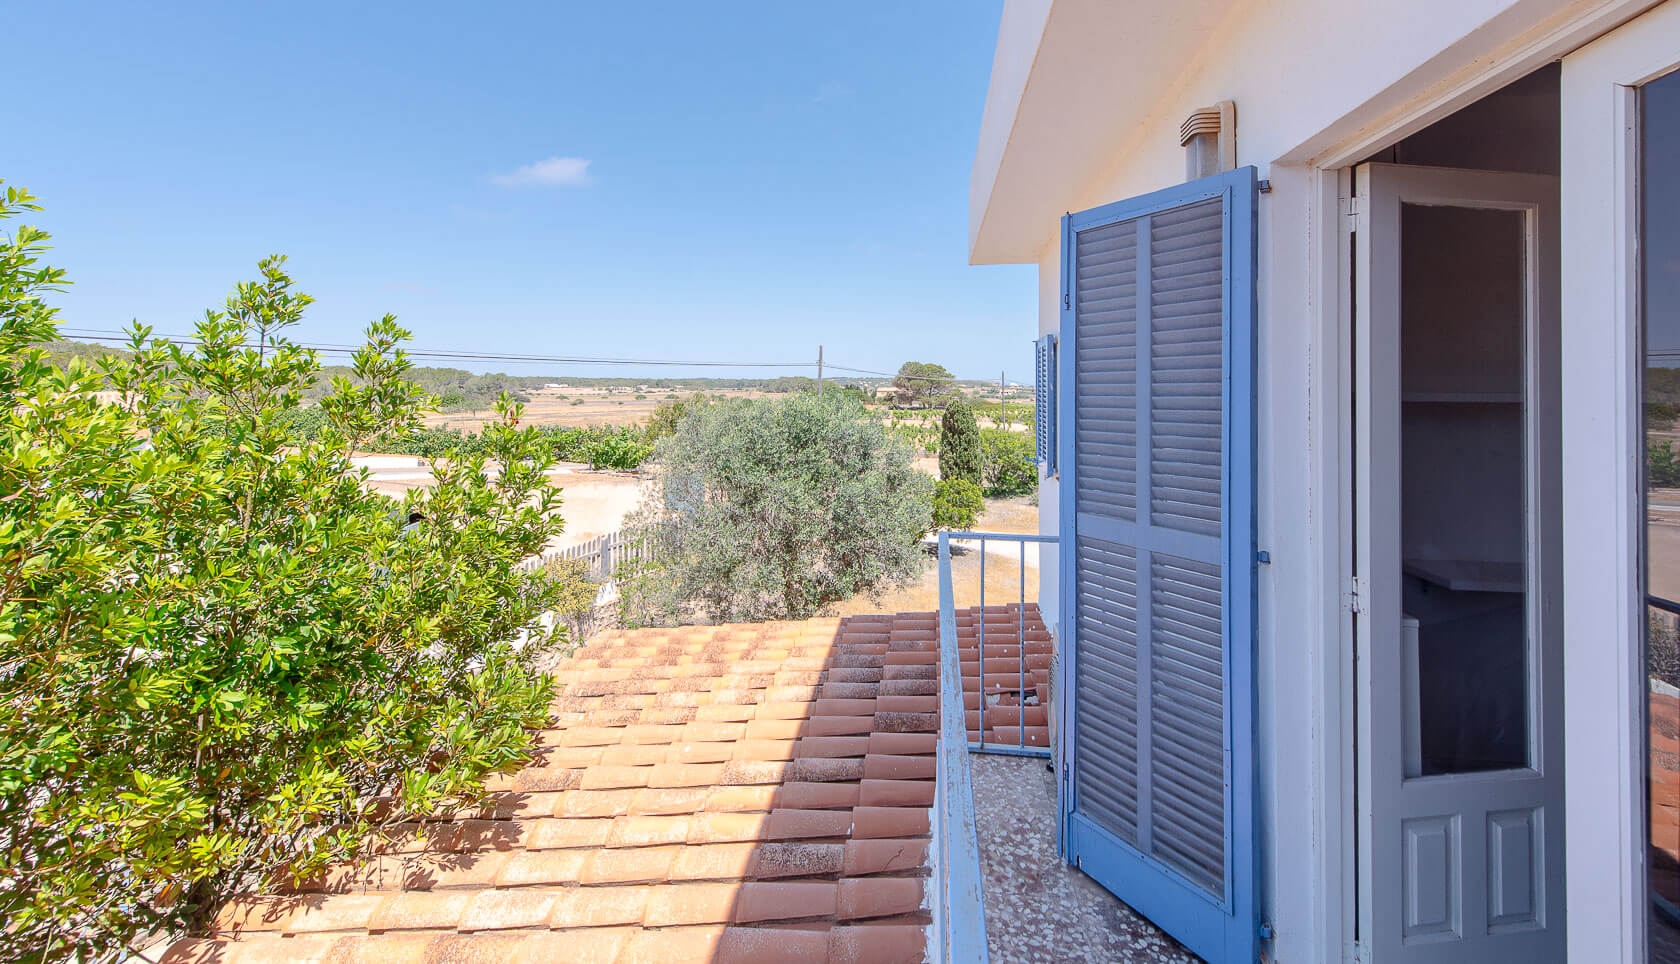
111	335
466	355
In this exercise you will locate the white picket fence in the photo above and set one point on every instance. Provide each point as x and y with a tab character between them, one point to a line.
605	554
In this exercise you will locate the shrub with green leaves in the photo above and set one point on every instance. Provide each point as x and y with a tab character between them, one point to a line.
223	659
959	442
774	509
665	417
1662	465
1009	465
956	504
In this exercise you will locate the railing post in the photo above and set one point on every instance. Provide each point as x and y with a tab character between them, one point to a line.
1021	653
959	914
983	644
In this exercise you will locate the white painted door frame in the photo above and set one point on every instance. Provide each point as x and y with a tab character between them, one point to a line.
1598	918
1603	447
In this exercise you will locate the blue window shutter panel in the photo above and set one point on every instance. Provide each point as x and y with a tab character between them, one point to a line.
1044	401
1153	395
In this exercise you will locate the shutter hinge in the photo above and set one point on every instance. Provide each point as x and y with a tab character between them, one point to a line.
1265	931
1352	208
1355	599
1067	300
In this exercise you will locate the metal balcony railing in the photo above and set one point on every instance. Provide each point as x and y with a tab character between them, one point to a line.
959	916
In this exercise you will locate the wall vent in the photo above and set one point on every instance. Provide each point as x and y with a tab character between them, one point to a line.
1209	139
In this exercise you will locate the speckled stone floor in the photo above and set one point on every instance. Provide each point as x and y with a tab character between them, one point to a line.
1038	909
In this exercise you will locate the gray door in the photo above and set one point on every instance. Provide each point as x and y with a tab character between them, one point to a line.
1458	566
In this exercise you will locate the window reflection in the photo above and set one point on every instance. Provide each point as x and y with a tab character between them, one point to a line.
1660	279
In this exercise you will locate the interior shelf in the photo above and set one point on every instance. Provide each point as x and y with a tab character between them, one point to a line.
1465	575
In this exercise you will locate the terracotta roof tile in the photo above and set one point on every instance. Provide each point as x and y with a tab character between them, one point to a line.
671	775
903	794
841	725
508	909
541	867
561	834
594	803
636	865
422	910
817	796
726	827
676	904
879	896
717	793
885	855
806	944
785	900
598	906
723	861
725	799
883	766
669	800
796	860
673	944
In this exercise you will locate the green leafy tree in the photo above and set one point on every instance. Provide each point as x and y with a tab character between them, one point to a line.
774	509
574	593
956	504
223	659
918	383
1662	465
665	417
959	442
1010	466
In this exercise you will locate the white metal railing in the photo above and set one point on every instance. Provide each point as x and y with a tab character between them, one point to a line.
1022	691
959	917
959	913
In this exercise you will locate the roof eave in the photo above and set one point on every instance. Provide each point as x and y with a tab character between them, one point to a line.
1103	62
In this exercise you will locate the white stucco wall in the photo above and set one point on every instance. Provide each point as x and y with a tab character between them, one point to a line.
1315	82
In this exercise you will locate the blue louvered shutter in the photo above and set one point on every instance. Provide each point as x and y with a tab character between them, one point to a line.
1044	402
1157	501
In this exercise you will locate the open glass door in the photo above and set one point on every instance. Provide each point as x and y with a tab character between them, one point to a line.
1156	414
1458	566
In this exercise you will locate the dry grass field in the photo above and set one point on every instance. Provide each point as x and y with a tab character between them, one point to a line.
579	407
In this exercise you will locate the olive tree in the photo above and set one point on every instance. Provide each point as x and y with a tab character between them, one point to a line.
774	509
224	660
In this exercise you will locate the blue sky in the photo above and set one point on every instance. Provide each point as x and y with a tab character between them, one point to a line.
728	181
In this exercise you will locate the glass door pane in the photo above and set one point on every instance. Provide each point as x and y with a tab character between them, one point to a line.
1464	488
1660	279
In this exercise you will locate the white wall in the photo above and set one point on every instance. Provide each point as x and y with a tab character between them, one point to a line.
1098	115
1049	501
1312	80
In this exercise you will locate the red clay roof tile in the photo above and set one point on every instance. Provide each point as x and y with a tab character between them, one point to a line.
728	794
879	896
421	910
508	909
598	906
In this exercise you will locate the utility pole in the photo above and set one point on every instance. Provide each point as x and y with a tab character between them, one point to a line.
819	369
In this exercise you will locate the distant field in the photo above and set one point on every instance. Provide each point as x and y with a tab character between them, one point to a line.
578	407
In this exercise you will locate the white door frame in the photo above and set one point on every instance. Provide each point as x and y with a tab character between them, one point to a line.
1322	179
1603	445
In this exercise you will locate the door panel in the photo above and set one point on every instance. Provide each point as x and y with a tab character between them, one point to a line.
1459	562
1156	349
